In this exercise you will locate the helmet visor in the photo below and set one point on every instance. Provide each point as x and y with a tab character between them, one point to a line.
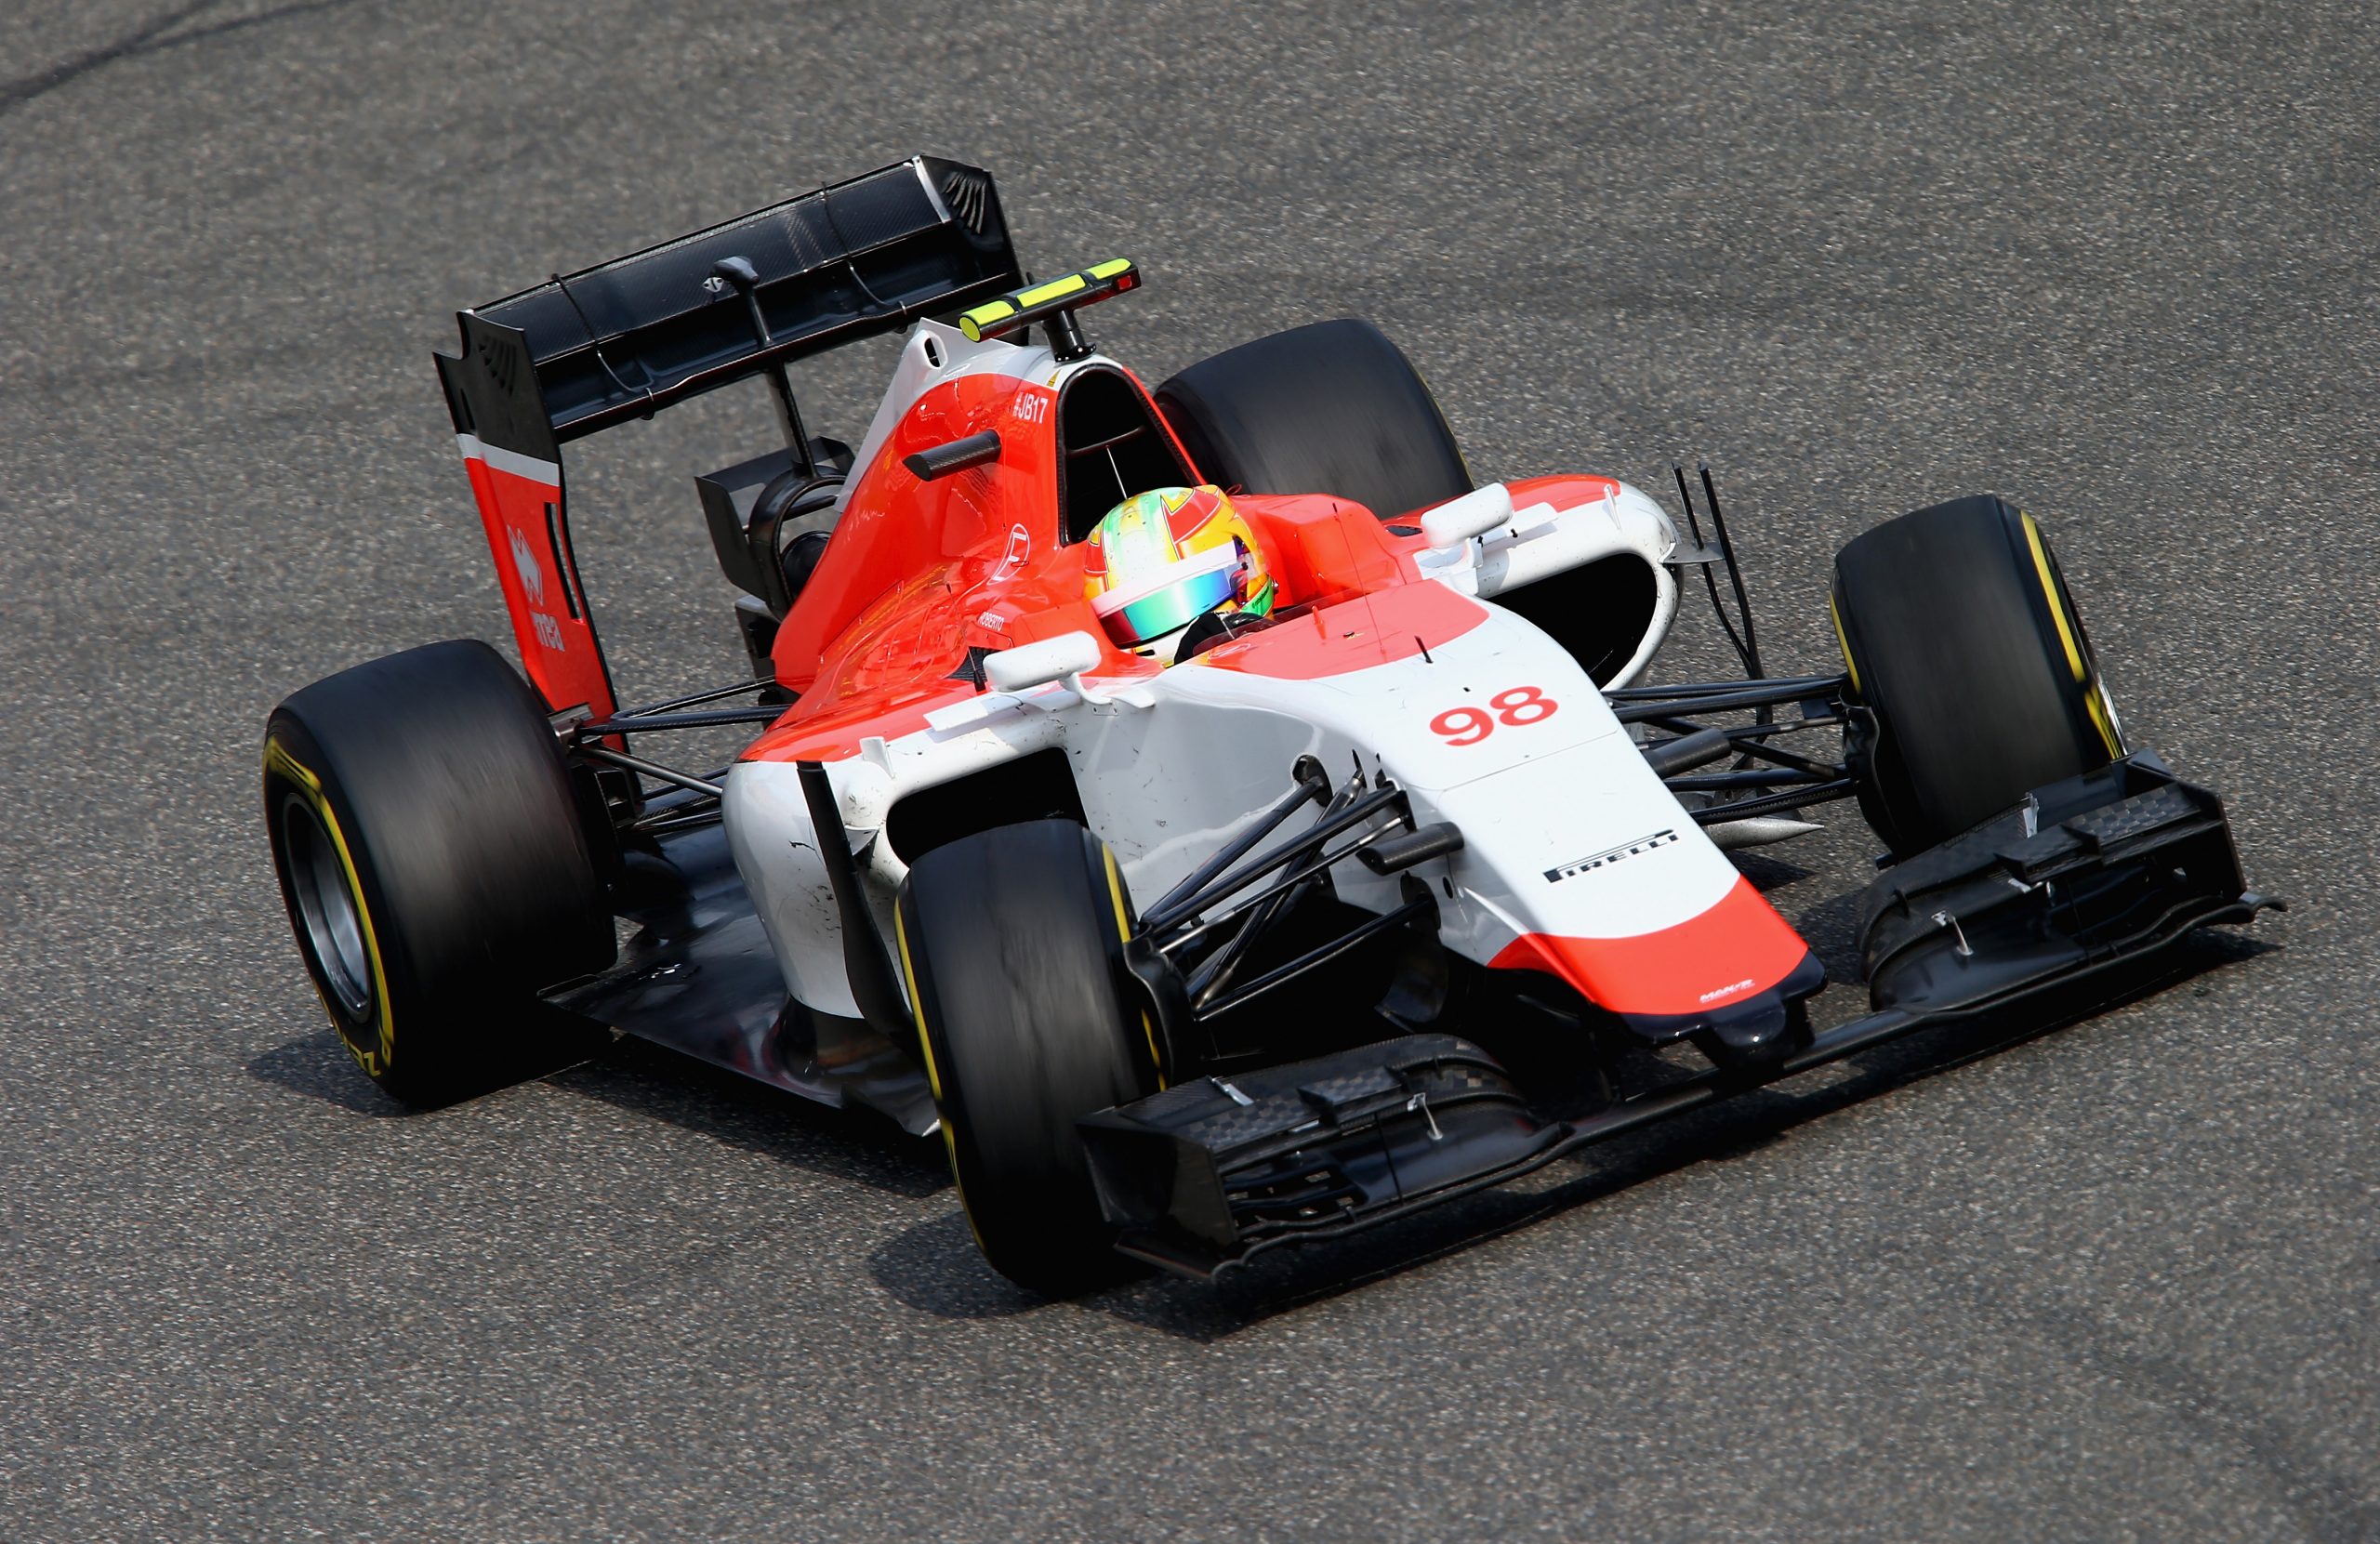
1177	595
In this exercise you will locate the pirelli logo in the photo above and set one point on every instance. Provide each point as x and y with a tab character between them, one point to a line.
1609	856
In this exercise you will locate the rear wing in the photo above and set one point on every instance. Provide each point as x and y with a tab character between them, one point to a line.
624	339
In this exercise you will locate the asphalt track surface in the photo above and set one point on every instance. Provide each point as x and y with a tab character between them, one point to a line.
2121	1281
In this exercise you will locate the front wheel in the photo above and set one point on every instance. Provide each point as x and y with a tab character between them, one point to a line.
1012	941
1972	680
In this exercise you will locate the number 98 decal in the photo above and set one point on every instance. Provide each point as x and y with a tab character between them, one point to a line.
1516	707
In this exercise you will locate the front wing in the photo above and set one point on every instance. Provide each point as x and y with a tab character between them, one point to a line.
2087	874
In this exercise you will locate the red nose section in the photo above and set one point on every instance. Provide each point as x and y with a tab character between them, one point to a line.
1736	950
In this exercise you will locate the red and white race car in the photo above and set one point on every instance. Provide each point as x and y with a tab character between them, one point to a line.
1328	863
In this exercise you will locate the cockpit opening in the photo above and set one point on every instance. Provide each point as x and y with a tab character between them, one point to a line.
1110	447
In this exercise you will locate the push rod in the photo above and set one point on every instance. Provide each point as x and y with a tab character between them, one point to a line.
1767	694
1320	957
1800	684
1793	798
1237	847
652	723
757	684
1232	884
653	770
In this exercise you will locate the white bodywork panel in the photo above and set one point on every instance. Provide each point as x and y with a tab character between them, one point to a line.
1171	768
1543	541
932	355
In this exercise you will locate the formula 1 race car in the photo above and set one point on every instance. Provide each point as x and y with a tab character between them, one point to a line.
1223	821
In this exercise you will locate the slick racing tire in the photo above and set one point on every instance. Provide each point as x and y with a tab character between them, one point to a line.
1971	681
434	868
1012	944
1330	408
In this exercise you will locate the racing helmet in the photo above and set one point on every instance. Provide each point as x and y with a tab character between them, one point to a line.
1161	560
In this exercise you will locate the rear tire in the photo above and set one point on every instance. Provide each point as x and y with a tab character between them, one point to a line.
1012	940
1330	408
1970	661
436	874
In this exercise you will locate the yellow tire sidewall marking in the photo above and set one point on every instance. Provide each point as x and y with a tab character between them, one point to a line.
1844	640
2049	593
916	1000
2095	700
310	787
933	1073
1124	932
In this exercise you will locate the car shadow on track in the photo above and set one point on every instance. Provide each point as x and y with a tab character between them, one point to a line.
319	1066
933	1268
729	1108
656	1082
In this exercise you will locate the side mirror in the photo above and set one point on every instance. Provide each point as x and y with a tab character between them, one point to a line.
1475	514
1064	658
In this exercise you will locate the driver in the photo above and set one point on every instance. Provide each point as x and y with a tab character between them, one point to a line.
1160	560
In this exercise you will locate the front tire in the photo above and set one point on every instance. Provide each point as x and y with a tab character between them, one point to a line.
1976	681
434	868
1011	941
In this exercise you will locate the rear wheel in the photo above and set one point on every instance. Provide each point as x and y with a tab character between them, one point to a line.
436	875
1330	408
1012	944
1967	655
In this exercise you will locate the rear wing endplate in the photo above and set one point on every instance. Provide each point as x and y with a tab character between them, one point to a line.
625	338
